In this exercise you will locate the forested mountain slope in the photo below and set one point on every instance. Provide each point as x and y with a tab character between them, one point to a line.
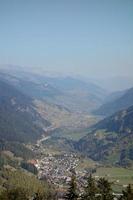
18	119
111	139
71	93
118	104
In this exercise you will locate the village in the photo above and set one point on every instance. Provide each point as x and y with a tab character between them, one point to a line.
58	168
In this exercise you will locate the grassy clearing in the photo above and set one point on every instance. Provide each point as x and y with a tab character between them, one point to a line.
119	176
61	117
85	164
74	135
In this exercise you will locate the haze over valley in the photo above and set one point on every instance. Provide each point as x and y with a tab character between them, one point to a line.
66	100
62	119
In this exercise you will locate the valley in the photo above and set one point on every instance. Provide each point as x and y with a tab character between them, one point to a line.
43	135
56	163
66	100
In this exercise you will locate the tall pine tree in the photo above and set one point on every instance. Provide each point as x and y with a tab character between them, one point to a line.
90	190
105	190
72	190
127	194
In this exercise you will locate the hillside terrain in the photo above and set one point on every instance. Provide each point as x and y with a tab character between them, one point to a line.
120	100
71	93
47	130
15	178
114	96
19	121
53	100
111	140
40	98
27	104
63	118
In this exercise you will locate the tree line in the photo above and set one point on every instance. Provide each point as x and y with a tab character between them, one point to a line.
96	190
93	190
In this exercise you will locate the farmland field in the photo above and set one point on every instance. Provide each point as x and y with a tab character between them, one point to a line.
120	177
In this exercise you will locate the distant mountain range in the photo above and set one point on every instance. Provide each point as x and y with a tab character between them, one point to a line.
74	94
31	104
111	140
115	83
116	102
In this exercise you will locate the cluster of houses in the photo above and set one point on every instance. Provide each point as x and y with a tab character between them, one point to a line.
57	169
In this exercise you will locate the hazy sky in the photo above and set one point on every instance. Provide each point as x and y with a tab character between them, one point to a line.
88	37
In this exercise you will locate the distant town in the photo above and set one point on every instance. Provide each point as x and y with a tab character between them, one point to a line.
57	169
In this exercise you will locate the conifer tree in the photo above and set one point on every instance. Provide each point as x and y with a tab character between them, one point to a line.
127	194
72	190
90	190
105	190
38	197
